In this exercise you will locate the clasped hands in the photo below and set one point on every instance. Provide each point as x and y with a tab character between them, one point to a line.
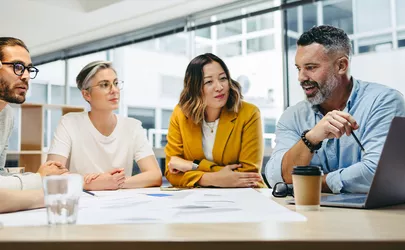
52	168
111	180
226	177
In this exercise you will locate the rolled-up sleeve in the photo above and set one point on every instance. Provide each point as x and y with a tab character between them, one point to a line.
286	138
357	178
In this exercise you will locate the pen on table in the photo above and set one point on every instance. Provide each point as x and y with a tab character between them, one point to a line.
90	193
358	142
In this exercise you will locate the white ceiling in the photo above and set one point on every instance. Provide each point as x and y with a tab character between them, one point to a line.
50	25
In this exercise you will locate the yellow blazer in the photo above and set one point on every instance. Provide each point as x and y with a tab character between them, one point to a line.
239	140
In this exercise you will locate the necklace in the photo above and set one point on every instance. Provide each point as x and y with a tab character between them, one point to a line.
211	127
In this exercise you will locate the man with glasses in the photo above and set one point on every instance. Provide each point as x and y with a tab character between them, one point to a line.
323	129
15	72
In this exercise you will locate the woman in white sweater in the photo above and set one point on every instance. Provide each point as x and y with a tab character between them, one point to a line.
99	144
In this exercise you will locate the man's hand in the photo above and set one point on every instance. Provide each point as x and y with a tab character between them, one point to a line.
52	168
226	177
333	125
177	165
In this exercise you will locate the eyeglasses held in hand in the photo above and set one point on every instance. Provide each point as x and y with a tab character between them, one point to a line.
20	68
282	189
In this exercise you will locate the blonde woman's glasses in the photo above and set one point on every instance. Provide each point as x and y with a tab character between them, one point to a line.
107	86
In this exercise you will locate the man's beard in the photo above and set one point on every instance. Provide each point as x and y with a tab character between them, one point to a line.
324	92
8	95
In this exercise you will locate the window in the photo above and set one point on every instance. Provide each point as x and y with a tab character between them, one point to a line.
76	98
401	39
400	8
260	44
377	44
377	10
145	115
339	14
205	32
57	94
269	125
37	93
292	19
152	78
166	114
292	43
229	49
261	22
309	16
53	73
176	44
230	28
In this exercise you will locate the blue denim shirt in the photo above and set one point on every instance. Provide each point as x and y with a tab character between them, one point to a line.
348	168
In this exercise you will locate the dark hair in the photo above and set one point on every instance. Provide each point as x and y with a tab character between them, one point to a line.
332	38
10	41
191	98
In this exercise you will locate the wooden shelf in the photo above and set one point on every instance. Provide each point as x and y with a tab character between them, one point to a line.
26	152
31	155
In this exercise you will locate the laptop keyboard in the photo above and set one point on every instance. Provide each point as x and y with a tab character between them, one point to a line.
358	199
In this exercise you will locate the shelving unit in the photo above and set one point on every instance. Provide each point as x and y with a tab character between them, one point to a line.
31	154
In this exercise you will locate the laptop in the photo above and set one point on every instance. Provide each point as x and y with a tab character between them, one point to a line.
388	185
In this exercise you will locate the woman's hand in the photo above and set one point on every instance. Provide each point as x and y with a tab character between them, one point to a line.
111	180
177	165
226	177
90	177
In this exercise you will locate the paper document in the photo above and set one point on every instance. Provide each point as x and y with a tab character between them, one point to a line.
150	205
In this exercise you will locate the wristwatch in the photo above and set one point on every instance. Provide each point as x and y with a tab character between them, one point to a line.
312	147
195	165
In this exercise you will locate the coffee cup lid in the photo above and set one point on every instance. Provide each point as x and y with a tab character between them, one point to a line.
307	170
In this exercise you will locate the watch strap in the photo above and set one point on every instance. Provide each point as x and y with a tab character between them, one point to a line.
195	165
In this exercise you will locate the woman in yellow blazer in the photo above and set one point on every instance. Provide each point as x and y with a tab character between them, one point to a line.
214	138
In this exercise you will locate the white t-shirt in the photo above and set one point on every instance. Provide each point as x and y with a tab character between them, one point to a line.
209	131
88	151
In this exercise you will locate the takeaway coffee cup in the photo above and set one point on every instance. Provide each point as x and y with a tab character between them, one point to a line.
307	183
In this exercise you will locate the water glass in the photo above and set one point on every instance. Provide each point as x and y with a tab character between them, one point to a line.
62	193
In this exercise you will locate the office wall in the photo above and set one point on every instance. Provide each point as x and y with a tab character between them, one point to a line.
383	67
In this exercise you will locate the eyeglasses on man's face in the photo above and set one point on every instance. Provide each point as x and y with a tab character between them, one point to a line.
20	68
282	189
107	86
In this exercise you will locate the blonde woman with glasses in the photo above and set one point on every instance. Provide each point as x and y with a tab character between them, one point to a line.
99	144
215	138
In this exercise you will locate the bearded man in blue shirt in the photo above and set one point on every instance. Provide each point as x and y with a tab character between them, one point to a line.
317	131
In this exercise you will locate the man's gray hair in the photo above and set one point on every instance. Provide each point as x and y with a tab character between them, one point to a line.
332	38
